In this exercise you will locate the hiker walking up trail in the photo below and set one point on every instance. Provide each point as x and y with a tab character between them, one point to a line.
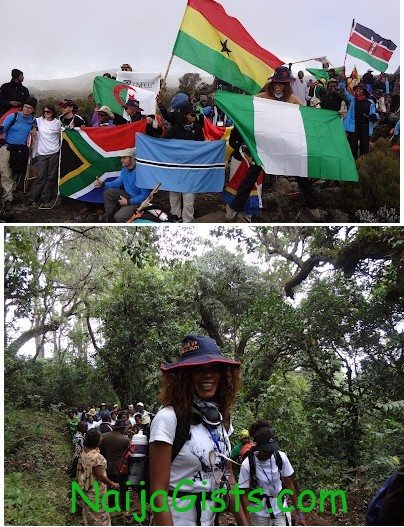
189	435
91	467
268	468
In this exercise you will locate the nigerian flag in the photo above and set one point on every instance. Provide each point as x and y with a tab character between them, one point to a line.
291	140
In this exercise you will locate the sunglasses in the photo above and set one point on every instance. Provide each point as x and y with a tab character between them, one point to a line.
47	111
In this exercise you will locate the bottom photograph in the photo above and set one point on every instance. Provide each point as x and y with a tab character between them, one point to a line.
203	376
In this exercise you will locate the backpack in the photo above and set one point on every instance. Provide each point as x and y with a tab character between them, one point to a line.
375	507
182	435
72	468
253	466
245	449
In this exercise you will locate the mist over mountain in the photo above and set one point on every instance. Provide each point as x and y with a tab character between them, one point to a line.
71	87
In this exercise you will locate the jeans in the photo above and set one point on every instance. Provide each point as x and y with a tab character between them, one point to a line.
111	197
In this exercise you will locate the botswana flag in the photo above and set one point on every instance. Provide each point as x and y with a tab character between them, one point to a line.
370	47
91	153
179	165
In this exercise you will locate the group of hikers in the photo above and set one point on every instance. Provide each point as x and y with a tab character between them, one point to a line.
361	103
186	443
182	456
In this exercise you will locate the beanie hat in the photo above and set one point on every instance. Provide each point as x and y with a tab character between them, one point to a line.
31	101
179	100
16	73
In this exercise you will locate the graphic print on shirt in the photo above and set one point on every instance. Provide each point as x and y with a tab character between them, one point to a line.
206	470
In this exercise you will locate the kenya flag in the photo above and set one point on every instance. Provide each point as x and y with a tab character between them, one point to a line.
114	94
370	47
91	153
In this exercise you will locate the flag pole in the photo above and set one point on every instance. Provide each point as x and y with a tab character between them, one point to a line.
164	84
350	34
307	60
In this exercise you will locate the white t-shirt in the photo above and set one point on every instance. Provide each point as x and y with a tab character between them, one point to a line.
269	479
192	462
299	88
48	136
94	424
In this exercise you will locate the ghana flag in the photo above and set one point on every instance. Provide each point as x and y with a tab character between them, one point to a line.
370	47
214	41
91	153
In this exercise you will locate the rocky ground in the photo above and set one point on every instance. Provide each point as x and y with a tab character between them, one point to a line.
283	204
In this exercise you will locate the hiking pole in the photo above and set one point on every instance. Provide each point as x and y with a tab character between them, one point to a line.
144	204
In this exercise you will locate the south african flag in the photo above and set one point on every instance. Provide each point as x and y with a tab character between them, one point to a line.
91	153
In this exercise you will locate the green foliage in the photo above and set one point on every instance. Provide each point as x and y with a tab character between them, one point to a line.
72	383
144	320
189	83
379	181
36	453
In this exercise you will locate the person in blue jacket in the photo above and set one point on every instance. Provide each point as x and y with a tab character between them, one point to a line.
14	151
359	119
122	193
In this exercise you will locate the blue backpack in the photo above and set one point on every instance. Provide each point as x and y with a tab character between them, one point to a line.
375	507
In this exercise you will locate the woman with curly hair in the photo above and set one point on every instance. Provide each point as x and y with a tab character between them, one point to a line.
189	435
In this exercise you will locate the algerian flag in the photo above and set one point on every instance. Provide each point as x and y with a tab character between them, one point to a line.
291	140
114	94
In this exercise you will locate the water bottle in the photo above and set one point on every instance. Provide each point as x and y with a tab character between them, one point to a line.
137	458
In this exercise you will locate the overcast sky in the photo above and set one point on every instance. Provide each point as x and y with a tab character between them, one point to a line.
56	39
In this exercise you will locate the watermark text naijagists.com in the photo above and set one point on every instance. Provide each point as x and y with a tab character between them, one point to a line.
214	501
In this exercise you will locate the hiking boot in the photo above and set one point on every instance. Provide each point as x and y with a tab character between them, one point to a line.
33	204
231	214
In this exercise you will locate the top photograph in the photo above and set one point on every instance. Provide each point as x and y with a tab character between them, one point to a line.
200	111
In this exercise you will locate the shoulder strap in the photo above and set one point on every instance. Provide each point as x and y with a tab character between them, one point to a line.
13	121
253	470
182	435
278	460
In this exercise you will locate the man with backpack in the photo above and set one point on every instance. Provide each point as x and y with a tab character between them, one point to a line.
14	150
268	468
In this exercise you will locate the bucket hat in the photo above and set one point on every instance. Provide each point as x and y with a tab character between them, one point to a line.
197	350
282	74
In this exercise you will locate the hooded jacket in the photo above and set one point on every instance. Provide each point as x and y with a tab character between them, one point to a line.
349	119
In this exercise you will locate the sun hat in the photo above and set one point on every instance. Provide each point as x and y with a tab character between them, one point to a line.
127	152
133	103
197	350
140	404
282	74
91	412
67	103
107	110
145	420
